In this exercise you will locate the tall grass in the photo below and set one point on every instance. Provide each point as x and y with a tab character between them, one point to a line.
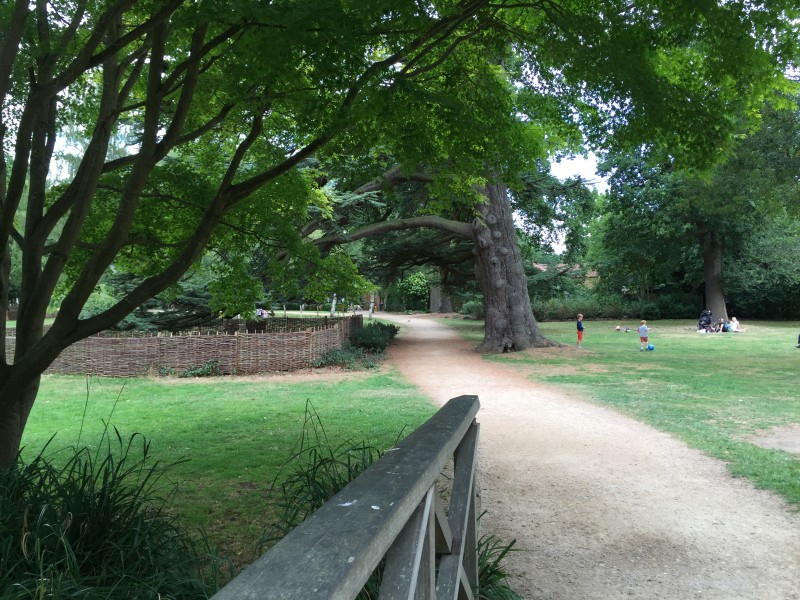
314	473
97	527
492	575
225	438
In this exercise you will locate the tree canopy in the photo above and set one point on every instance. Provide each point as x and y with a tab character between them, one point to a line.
194	118
661	225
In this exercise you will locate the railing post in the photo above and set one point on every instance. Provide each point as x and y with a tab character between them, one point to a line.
453	581
392	509
410	563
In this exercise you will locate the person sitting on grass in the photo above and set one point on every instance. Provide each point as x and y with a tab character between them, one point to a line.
735	326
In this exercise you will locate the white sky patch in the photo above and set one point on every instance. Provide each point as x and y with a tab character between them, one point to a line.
583	167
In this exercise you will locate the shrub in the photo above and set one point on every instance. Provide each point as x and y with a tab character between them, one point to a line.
211	368
679	306
366	350
349	357
414	291
374	337
644	309
96	528
614	306
561	309
473	309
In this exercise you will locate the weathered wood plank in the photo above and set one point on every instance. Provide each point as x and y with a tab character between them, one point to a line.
449	581
426	580
470	555
464	592
332	554
444	537
405	569
452	584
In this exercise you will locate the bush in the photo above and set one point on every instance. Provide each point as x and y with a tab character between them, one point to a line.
679	306
349	357
96	528
473	309
563	309
612	306
211	368
366	350
374	337
414	291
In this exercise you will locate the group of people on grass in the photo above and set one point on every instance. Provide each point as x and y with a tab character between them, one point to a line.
643	336
704	325
722	326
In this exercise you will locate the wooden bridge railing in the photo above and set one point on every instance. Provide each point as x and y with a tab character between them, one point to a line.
392	510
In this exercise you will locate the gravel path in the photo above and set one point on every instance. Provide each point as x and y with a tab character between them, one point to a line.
601	506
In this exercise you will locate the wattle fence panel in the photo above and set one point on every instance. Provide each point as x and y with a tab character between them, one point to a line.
238	348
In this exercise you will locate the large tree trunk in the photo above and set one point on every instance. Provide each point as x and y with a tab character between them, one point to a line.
510	324
15	407
439	301
712	252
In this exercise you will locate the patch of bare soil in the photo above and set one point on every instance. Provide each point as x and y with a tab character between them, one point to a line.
603	507
779	438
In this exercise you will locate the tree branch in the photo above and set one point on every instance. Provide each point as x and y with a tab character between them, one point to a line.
426	43
11	34
463	230
391	178
87	60
93	269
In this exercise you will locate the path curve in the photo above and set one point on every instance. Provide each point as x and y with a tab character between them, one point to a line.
602	506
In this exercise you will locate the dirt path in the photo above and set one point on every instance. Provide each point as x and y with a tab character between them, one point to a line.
601	506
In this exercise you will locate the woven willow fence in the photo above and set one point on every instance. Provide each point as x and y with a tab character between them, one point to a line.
284	345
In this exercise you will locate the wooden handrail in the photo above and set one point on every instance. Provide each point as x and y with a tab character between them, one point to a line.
391	510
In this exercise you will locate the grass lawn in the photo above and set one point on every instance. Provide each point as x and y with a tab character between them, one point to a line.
235	433
714	391
48	321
